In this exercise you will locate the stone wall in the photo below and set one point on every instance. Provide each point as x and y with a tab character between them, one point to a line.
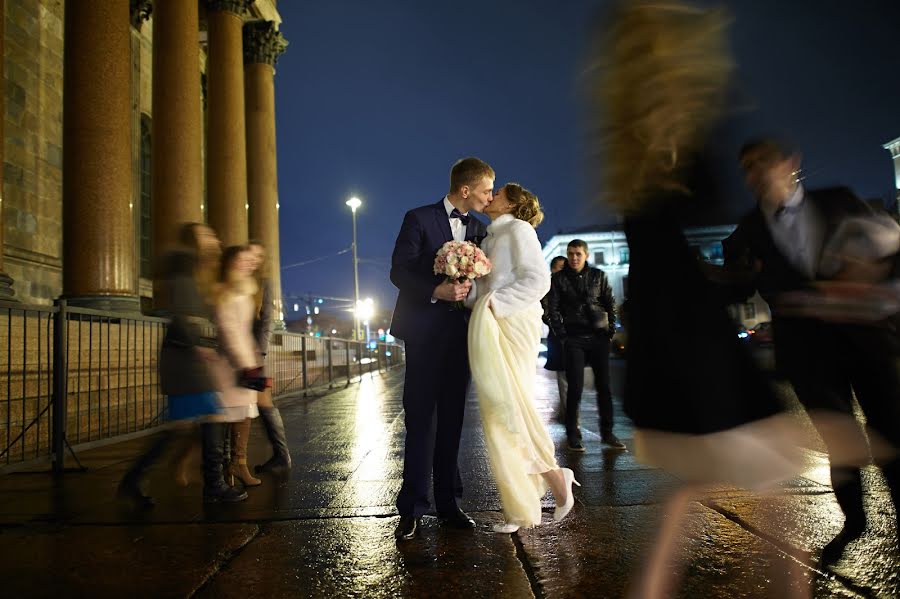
32	168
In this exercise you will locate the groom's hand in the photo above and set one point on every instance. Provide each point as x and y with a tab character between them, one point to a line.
452	292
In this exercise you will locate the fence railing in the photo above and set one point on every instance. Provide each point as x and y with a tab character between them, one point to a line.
74	376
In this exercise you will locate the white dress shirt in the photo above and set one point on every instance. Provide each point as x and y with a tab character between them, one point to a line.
456	225
798	232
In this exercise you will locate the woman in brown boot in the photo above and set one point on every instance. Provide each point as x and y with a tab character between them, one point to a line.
242	370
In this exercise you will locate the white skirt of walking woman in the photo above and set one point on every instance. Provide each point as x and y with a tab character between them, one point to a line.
236	403
503	360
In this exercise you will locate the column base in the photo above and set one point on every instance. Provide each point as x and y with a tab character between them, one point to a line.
120	304
7	293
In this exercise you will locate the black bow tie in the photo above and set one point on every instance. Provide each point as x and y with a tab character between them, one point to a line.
462	217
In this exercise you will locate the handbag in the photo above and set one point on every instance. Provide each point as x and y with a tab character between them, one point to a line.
252	378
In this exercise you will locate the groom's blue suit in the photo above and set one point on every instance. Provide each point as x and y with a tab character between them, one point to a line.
437	364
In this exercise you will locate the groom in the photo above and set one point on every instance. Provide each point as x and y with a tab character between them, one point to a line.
437	364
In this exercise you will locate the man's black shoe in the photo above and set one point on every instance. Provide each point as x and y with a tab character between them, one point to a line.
833	551
457	519
407	529
612	441
576	445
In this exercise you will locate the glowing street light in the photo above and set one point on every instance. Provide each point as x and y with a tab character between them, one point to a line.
355	203
365	310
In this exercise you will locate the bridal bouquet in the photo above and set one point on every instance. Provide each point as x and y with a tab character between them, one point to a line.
461	260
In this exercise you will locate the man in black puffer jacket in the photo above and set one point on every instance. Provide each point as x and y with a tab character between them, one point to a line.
583	316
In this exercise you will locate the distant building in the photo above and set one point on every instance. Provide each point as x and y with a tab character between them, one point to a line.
894	148
608	250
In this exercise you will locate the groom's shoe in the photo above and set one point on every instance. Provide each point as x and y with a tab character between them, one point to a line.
456	519
575	445
407	529
610	440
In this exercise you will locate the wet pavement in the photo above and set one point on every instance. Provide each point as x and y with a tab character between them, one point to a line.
326	529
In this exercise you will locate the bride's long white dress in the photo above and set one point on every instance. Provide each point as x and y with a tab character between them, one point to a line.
503	346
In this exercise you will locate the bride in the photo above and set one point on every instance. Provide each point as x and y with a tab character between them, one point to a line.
504	333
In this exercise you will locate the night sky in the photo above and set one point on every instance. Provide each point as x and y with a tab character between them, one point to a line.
379	98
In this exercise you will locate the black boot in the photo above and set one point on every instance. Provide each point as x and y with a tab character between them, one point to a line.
274	425
214	488
847	484
130	487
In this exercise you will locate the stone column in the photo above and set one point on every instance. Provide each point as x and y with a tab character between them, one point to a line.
6	290
98	231
177	168
226	140
263	44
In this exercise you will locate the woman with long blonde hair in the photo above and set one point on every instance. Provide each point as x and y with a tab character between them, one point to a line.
701	408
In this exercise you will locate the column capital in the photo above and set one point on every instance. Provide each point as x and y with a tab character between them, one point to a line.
238	7
263	43
140	12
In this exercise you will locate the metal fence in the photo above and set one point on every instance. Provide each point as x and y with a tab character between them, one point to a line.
76	376
27	391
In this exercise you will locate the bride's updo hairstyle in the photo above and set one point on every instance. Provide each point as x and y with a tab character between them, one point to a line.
525	205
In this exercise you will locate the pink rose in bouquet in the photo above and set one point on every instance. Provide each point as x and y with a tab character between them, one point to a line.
461	260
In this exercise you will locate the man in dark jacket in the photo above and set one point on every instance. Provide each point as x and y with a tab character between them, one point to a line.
583	317
780	244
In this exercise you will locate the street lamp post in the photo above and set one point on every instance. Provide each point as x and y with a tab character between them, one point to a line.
355	203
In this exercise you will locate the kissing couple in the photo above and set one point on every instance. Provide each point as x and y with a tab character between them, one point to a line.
496	342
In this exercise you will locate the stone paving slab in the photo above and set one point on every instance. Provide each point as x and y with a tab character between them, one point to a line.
326	528
357	557
601	550
115	561
870	565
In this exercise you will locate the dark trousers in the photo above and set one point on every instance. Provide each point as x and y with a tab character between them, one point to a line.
813	359
434	399
871	360
580	352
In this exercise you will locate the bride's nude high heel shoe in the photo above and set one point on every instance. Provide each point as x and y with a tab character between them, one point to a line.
562	510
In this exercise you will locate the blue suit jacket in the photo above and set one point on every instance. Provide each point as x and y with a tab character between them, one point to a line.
422	234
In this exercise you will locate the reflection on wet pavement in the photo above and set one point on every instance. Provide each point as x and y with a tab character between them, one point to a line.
325	529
